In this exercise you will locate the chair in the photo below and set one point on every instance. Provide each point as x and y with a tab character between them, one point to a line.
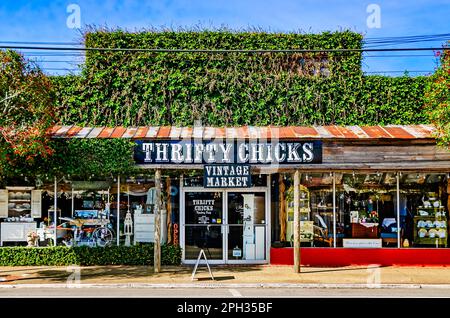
321	232
389	231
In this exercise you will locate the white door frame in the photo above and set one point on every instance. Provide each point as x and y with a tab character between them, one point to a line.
225	227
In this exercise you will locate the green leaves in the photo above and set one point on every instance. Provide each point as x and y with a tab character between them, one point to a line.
141	254
437	99
234	89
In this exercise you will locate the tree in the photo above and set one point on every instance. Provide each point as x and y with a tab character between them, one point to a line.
27	111
437	99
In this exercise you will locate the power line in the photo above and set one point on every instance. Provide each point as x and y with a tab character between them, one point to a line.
41	43
404	71
368	40
412	55
213	51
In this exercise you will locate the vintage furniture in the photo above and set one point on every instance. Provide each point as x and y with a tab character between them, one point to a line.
144	227
16	231
366	230
17	201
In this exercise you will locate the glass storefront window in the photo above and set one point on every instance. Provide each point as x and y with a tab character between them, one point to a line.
424	209
316	210
366	210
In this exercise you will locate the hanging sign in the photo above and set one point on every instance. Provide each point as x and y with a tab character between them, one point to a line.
188	152
227	176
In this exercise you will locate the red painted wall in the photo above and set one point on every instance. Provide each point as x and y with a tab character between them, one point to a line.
323	256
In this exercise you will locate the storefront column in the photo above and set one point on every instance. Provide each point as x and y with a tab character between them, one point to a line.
157	246
72	207
398	211
282	208
297	221
55	203
118	211
334	209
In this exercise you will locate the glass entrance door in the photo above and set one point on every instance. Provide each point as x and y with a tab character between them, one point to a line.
204	225
246	226
230	226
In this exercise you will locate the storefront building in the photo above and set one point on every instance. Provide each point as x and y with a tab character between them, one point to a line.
368	195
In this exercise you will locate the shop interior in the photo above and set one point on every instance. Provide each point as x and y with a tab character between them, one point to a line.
86	212
366	208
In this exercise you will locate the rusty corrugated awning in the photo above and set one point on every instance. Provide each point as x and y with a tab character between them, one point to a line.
248	132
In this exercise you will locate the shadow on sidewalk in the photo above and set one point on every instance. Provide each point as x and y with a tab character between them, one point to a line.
338	269
103	274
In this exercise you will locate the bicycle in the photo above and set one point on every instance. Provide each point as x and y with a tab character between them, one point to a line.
89	233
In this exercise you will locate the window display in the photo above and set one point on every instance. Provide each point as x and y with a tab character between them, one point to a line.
316	210
19	207
424	209
366	208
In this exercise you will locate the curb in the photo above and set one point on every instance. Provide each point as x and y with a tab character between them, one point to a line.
237	285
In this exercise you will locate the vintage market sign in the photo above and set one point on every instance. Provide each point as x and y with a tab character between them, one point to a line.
227	176
188	152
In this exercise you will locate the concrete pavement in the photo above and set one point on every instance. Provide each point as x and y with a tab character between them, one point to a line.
235	292
351	277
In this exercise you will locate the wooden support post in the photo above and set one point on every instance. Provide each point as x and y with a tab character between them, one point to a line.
55	215
448	191
282	206
297	221
118	211
157	246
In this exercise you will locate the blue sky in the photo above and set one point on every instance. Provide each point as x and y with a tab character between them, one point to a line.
45	21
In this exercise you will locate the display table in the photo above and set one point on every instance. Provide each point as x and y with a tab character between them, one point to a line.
16	231
364	230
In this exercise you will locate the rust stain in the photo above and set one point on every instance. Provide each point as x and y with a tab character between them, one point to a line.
376	132
398	132
106	132
302	132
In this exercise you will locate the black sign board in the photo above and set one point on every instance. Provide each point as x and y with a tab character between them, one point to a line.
189	152
204	208
227	176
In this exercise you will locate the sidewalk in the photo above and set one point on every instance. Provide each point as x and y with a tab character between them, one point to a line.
250	275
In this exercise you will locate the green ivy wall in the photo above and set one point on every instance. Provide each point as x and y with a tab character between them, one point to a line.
232	89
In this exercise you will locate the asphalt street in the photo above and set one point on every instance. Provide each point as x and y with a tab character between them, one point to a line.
223	292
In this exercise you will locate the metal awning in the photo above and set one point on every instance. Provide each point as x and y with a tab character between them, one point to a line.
249	132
